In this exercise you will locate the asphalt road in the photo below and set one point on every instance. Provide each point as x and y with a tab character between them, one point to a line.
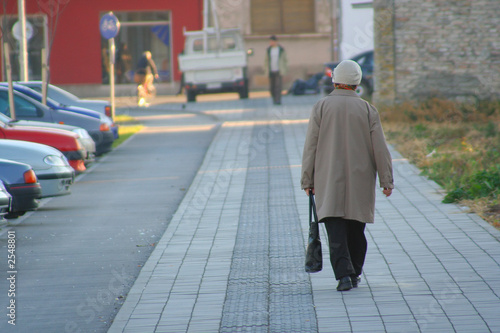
78	255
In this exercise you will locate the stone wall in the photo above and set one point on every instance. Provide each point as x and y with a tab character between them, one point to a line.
234	14
306	52
445	48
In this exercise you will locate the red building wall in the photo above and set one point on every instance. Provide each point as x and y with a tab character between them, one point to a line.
76	50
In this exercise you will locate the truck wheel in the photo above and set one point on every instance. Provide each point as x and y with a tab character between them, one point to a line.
191	96
244	91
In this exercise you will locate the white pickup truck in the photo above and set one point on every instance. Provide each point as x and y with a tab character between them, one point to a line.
214	61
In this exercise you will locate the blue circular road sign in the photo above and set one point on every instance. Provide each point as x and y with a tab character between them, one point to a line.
109	25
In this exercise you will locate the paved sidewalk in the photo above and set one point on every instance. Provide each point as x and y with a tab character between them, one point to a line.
231	259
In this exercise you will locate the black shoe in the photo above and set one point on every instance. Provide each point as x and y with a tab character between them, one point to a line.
345	284
355	280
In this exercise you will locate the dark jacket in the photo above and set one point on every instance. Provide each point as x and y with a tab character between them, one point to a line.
146	66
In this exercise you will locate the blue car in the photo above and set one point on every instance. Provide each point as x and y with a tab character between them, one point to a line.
22	184
28	108
51	103
66	98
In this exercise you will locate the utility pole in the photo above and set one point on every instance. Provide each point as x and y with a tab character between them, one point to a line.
8	71
334	33
23	42
110	27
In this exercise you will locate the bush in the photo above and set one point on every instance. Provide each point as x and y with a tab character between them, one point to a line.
478	185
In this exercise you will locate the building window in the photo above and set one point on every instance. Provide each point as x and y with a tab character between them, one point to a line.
37	40
362	3
282	16
227	44
139	32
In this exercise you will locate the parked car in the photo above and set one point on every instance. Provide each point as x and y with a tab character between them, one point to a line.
5	201
21	183
52	169
83	136
29	109
36	94
365	88
65	97
64	141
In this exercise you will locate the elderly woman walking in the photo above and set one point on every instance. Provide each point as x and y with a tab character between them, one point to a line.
344	150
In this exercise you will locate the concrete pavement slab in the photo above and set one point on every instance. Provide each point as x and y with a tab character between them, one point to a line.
231	259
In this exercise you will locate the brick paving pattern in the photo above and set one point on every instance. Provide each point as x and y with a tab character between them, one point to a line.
231	259
267	287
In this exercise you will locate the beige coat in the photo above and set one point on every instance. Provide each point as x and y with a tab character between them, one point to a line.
345	148
282	62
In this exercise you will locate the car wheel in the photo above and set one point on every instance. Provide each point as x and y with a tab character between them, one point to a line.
191	96
362	90
244	91
14	215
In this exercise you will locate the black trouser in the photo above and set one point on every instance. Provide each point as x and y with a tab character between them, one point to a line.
275	86
347	242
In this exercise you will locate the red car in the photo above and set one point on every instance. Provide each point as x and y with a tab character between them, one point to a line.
65	141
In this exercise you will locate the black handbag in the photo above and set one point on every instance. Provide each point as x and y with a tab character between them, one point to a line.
314	256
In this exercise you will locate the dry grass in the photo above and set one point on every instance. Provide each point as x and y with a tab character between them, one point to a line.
484	208
450	142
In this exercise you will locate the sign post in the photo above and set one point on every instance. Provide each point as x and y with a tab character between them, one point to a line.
23	44
110	26
44	76
8	70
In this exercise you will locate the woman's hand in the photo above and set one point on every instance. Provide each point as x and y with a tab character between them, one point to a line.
308	190
387	191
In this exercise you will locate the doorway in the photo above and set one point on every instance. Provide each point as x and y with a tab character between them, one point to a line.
139	32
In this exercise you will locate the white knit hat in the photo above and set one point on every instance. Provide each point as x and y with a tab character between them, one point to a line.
347	72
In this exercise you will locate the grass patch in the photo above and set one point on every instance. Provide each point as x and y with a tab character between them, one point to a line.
123	118
125	132
456	145
128	127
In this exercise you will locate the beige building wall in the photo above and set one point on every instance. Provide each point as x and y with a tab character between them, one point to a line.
306	52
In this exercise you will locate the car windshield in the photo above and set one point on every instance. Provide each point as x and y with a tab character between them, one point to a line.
51	101
55	94
4	119
24	104
365	59
227	44
4	108
36	95
62	92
